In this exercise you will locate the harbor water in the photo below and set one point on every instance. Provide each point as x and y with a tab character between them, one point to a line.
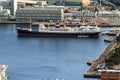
40	58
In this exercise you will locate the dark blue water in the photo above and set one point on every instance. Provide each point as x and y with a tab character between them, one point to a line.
47	58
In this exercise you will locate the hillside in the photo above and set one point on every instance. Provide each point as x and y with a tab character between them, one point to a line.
114	55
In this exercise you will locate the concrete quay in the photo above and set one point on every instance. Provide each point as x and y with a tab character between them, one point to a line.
111	22
101	22
93	71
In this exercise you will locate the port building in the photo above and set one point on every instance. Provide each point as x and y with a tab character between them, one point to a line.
40	14
77	2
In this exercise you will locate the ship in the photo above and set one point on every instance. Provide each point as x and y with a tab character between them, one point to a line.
60	31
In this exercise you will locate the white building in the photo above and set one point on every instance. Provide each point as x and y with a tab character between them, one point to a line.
39	14
12	4
9	4
109	14
4	13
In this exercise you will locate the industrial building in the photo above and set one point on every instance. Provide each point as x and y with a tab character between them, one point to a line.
39	14
77	2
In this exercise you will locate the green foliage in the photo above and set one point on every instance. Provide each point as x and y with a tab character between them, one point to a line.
118	38
114	57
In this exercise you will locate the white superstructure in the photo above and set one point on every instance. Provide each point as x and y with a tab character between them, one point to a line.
81	29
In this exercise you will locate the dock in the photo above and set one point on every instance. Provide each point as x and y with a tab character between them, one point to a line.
75	24
61	23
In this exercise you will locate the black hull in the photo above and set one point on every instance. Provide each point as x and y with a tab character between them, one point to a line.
26	33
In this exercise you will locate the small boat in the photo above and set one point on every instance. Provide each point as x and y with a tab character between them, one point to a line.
108	39
60	31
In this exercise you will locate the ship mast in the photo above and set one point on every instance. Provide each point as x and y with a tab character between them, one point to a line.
30	24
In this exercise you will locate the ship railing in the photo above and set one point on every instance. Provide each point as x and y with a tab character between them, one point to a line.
22	28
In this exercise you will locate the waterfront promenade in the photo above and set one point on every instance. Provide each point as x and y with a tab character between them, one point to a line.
113	22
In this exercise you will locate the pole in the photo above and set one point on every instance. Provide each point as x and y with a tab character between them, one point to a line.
30	24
